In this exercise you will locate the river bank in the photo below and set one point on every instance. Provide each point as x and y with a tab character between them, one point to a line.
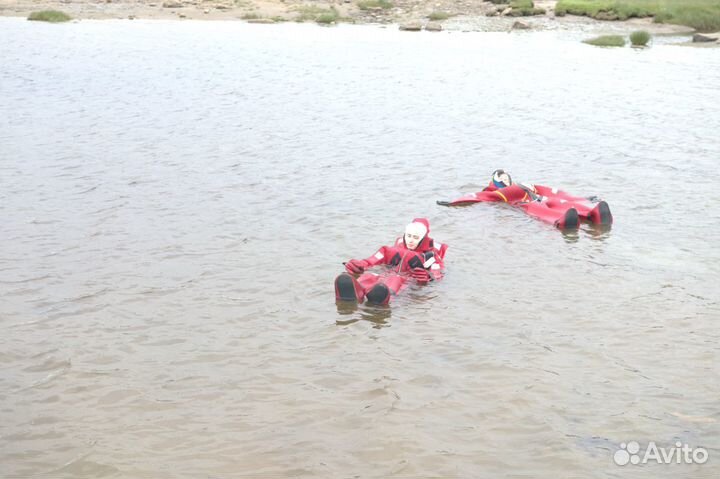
469	15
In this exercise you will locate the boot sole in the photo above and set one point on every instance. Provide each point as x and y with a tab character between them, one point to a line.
379	294
571	220
345	288
605	215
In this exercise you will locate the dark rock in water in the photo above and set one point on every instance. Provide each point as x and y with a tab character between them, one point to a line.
704	38
433	27
411	27
518	25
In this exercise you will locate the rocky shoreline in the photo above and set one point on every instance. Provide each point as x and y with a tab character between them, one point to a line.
436	15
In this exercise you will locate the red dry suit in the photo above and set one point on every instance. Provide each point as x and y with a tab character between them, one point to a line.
544	203
401	261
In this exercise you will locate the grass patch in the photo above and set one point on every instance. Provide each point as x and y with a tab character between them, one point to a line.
524	8
702	15
639	38
374	4
52	16
328	18
607	41
324	16
438	16
703	18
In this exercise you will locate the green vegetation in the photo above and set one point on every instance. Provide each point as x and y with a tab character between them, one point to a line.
524	8
250	16
320	15
702	15
52	16
328	18
374	4
437	16
607	41
639	38
520	8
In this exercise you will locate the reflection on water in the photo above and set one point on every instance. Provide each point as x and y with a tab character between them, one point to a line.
376	314
177	198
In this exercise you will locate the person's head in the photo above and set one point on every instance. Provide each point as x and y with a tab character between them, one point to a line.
501	179
415	233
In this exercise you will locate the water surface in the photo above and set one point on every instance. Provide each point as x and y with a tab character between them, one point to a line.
177	198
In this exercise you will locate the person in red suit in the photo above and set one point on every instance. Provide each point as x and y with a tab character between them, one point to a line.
547	204
414	257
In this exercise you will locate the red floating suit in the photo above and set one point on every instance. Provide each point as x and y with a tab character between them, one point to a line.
544	203
423	264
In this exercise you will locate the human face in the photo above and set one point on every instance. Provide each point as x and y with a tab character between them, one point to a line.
414	233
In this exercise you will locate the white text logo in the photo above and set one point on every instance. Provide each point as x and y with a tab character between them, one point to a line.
679	454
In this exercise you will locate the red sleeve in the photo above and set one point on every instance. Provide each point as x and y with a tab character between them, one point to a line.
479	197
546	190
382	256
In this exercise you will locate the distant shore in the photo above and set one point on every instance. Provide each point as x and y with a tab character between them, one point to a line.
467	15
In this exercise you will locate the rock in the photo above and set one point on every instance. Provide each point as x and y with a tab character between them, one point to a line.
172	4
518	25
262	21
705	37
182	15
608	16
131	17
506	11
206	11
411	27
220	6
433	27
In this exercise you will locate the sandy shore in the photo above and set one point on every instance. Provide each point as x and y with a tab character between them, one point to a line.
473	15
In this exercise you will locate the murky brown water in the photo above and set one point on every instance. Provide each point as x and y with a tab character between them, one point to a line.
176	199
